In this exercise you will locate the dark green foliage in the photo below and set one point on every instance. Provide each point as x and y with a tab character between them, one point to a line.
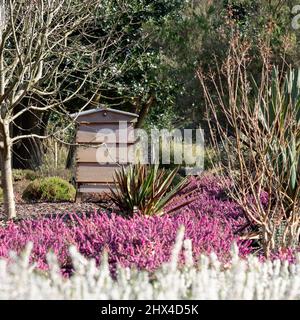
129	75
49	189
200	37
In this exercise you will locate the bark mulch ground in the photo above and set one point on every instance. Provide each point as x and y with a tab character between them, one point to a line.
90	203
25	210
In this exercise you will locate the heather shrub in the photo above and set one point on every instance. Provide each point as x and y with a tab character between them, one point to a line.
207	196
140	242
49	189
209	279
210	220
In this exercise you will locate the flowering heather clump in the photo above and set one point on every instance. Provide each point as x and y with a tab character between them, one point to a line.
283	254
242	279
143	242
209	199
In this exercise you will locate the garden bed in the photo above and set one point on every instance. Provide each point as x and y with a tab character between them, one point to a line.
210	220
39	209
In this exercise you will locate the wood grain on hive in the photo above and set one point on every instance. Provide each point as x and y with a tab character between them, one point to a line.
106	139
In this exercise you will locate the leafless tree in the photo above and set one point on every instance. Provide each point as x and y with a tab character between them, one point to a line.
44	59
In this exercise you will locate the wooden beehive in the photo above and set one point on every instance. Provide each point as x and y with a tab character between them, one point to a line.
102	129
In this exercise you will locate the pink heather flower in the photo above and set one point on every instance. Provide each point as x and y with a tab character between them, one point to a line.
210	221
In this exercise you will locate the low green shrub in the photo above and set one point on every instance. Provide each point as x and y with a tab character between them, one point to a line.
1	195
49	189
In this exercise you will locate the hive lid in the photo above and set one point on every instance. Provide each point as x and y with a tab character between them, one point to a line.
100	110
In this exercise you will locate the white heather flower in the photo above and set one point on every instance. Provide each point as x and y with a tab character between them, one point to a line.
242	279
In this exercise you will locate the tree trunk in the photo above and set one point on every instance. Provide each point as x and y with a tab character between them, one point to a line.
71	154
6	175
144	111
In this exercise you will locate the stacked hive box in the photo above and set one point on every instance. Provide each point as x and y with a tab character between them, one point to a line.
103	147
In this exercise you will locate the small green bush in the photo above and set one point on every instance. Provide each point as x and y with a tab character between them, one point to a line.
49	189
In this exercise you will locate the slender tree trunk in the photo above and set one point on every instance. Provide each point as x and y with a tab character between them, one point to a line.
5	147
7	175
144	111
71	154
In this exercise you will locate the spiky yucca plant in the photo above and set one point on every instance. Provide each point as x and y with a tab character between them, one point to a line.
144	188
280	118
